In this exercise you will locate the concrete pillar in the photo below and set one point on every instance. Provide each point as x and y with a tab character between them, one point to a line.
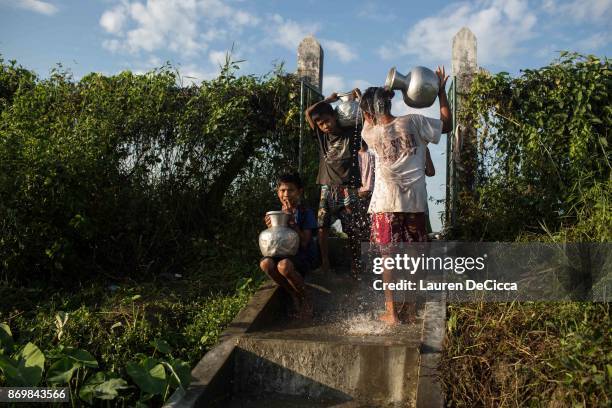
309	68
464	60
310	62
462	150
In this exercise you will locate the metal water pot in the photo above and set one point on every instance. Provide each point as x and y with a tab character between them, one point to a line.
279	239
419	88
347	110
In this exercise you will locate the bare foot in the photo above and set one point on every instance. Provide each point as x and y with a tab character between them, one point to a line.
407	312
389	318
306	312
296	307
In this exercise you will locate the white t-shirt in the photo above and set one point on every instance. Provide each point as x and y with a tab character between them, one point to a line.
399	146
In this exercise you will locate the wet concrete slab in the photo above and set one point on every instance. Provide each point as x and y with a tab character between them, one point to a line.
343	357
345	311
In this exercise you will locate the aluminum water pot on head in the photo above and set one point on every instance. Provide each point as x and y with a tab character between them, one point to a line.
419	88
347	110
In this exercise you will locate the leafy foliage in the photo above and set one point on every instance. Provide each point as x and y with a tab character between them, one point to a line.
108	180
543	173
106	331
543	161
24	368
123	175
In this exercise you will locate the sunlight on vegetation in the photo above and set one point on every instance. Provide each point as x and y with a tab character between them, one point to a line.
543	174
129	212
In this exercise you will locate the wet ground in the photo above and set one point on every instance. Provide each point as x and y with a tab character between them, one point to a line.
345	309
343	357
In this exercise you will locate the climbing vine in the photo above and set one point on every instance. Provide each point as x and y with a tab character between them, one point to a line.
543	152
132	175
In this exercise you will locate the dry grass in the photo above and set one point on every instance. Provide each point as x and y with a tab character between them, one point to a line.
528	354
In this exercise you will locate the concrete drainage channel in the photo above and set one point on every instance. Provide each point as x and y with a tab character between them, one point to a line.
342	358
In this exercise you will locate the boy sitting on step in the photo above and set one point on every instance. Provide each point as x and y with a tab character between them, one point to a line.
289	272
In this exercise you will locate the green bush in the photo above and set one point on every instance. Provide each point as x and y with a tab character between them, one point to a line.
543	174
543	155
126	175
115	344
528	354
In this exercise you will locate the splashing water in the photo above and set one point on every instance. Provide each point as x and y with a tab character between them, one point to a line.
365	324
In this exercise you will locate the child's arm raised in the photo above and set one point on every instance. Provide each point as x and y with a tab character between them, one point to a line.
445	113
330	99
430	170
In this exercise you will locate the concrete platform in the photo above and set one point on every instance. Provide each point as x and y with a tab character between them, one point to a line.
343	357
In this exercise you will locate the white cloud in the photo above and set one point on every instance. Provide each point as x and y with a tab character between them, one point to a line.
289	33
112	45
188	27
112	20
188	74
218	10
376	11
217	57
337	83
547	52
581	10
333	83
192	74
342	50
37	6
182	26
592	43
361	84
501	27
549	5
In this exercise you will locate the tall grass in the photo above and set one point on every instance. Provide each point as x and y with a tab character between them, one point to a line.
528	354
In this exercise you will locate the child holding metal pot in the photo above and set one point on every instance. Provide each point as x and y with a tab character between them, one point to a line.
338	176
288	272
399	199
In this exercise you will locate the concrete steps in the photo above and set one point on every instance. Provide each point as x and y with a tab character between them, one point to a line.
367	373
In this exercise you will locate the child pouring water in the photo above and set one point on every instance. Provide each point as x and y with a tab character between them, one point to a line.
399	200
338	176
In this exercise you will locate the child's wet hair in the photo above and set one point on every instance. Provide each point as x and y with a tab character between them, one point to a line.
376	101
321	109
293	178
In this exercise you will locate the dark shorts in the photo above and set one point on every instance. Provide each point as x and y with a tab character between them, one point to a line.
300	265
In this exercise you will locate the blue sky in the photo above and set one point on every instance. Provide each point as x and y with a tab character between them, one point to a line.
361	39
